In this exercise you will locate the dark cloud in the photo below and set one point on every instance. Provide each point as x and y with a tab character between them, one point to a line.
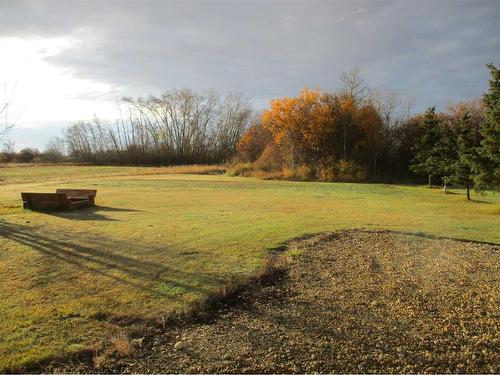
435	50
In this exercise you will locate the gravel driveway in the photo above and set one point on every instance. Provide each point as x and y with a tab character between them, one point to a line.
351	302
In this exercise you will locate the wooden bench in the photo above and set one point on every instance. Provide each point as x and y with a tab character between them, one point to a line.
78	193
60	200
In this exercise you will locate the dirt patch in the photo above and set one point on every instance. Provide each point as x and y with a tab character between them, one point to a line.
350	302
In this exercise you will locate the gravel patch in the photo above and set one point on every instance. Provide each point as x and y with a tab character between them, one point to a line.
350	302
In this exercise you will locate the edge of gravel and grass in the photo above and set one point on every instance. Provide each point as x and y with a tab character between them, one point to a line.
144	330
115	354
274	267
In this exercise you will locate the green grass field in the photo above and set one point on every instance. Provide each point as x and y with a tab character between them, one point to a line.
159	241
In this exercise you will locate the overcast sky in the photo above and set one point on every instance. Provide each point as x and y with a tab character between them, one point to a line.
64	61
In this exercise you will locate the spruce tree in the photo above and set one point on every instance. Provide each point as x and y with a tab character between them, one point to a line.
486	166
466	148
426	160
445	153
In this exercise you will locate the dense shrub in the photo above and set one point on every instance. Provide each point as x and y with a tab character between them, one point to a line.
241	169
27	155
270	159
325	170
349	171
253	142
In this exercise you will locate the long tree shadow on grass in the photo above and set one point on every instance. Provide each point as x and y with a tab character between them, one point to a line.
99	255
472	200
89	213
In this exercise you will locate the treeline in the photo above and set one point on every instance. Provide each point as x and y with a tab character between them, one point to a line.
330	136
357	134
55	152
352	134
466	150
180	127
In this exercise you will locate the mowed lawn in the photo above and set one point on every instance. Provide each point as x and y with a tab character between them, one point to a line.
158	241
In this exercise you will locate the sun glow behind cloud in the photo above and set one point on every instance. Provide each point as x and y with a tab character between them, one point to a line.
40	92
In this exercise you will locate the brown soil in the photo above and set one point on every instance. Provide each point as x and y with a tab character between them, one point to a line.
349	302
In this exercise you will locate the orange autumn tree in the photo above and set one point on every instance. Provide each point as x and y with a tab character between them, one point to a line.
301	127
323	133
252	144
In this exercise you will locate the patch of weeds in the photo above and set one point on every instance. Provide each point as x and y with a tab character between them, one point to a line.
99	360
491	210
241	169
122	345
279	248
100	315
294	253
10	209
170	290
190	253
77	348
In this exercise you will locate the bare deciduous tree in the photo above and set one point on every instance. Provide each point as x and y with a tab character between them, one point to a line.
55	150
5	125
5	102
178	127
355	85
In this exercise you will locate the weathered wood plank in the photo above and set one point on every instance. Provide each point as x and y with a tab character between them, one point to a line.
59	200
77	193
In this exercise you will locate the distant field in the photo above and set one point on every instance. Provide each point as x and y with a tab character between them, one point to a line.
158	241
23	173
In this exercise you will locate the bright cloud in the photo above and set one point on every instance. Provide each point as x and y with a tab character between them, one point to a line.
41	92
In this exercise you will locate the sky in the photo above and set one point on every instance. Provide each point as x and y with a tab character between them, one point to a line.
64	61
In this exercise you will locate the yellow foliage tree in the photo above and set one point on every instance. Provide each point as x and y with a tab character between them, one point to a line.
322	128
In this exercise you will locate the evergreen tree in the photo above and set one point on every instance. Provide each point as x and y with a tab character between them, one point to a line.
486	165
426	160
467	144
445	153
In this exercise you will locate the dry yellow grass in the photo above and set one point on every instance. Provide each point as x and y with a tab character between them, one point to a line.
17	173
